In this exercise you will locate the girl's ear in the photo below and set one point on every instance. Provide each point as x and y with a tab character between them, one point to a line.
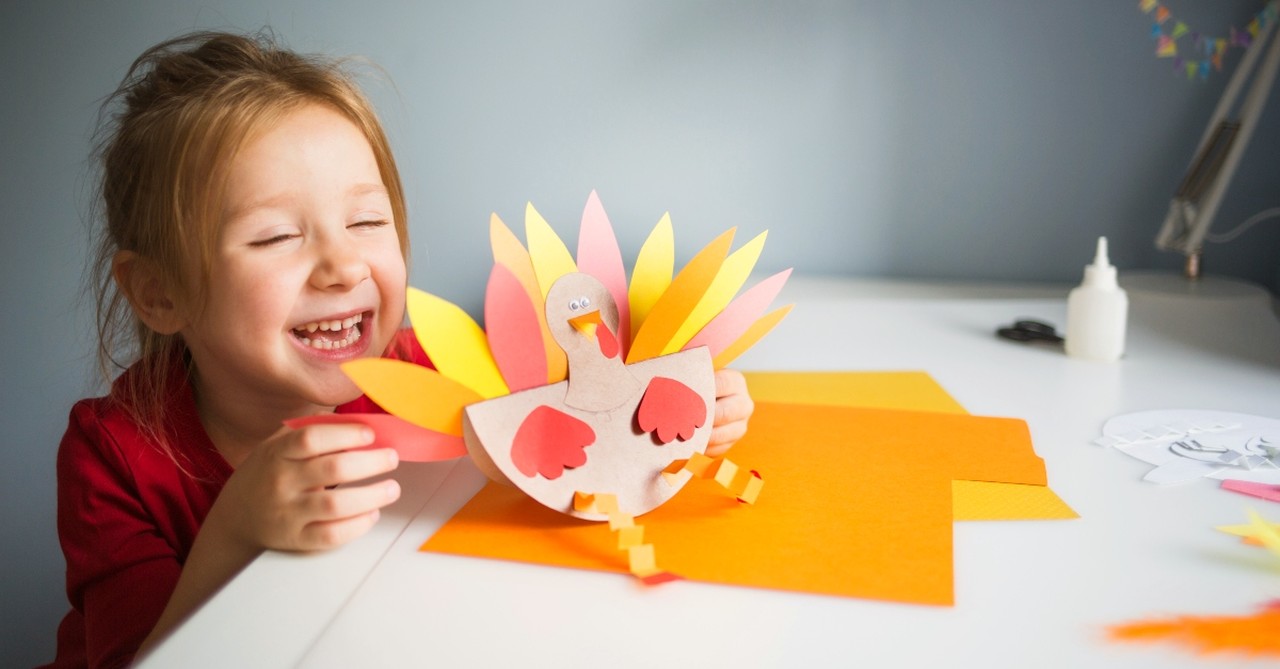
143	285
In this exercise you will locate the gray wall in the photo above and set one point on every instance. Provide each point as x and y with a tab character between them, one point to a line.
975	140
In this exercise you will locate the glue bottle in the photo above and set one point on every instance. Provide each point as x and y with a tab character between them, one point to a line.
1097	311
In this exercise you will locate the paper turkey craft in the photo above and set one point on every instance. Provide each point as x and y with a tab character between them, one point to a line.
593	396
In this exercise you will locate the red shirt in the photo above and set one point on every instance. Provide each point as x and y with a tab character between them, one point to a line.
128	513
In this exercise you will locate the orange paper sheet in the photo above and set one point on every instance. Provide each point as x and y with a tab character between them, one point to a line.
857	502
971	500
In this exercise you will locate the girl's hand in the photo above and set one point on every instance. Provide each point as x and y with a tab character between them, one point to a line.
283	497
733	409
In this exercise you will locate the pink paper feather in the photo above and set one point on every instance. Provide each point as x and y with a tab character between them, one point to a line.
599	256
736	318
514	333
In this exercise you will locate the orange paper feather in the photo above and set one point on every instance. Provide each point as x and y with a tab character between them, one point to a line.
1257	634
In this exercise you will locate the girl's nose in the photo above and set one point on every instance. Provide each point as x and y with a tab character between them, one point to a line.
340	266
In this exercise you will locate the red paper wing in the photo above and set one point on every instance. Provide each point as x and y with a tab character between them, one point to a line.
671	410
550	441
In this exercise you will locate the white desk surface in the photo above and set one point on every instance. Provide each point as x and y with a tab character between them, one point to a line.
1028	593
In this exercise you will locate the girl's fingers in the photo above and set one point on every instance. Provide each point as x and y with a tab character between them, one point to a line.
730	382
346	466
732	409
315	440
326	505
330	533
724	436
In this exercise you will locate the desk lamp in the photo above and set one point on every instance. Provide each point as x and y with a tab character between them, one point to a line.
1196	201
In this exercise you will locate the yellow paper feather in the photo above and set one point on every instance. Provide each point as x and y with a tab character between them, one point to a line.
733	273
652	274
679	299
550	257
455	343
753	334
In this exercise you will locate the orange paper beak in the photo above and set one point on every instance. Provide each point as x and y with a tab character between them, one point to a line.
586	324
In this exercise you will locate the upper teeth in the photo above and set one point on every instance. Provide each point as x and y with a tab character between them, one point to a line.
331	325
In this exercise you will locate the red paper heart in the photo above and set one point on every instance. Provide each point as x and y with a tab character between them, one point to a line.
550	441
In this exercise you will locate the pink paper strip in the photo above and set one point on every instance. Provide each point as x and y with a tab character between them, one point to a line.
1264	490
412	443
736	318
514	334
599	256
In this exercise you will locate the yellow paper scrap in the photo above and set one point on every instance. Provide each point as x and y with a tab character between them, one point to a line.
1247	531
1264	532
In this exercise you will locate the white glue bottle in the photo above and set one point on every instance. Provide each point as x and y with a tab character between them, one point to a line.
1097	311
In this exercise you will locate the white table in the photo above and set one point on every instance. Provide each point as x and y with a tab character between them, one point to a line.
1028	593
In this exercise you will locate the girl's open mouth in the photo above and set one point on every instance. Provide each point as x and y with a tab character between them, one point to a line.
333	335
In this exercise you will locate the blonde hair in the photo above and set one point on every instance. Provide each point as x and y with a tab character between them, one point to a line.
183	110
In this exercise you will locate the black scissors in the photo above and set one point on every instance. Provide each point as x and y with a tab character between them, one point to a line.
1029	330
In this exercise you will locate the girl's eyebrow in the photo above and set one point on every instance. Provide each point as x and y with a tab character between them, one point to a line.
368	189
281	199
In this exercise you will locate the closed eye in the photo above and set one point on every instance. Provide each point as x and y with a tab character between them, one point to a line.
378	223
272	241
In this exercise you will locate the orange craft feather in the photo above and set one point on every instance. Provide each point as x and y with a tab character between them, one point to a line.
1256	635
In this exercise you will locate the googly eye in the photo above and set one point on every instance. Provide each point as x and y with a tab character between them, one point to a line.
586	302
575	305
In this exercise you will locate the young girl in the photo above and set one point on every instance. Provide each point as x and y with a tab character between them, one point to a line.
255	238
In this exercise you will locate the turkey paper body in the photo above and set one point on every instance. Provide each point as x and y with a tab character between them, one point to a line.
611	428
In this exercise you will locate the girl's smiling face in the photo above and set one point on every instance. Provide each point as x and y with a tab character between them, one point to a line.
307	272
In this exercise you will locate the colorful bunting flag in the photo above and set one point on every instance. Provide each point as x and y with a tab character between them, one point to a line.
1211	48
